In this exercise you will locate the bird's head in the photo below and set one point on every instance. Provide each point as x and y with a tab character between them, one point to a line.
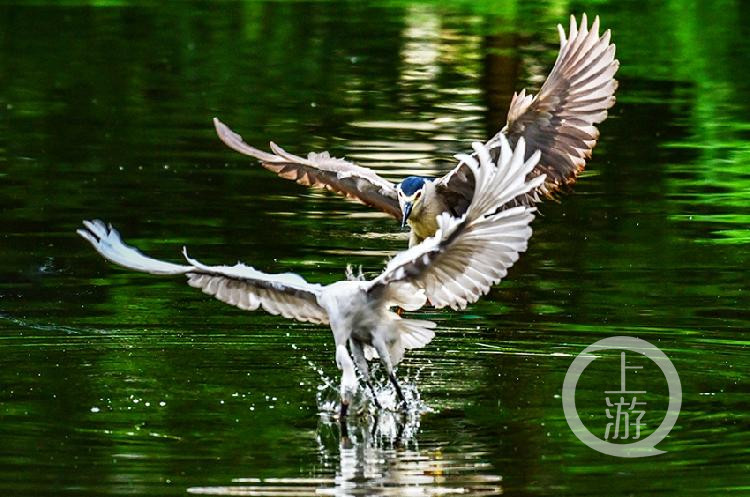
410	196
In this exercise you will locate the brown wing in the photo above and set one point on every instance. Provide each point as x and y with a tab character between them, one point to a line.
456	188
322	171
560	120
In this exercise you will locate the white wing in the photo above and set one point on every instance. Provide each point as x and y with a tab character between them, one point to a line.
286	294
466	256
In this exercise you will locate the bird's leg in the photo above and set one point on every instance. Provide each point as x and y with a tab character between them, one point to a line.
399	393
374	395
360	361
348	378
342	423
385	358
400	432
374	430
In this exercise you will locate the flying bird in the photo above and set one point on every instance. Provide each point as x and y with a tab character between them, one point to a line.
559	122
466	256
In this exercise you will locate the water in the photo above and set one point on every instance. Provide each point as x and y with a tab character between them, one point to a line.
119	383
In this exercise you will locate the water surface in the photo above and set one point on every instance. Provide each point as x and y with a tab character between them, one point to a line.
119	383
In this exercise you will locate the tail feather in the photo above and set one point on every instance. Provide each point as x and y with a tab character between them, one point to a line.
413	334
416	333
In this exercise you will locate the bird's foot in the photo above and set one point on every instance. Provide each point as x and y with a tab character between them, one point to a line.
402	400
374	396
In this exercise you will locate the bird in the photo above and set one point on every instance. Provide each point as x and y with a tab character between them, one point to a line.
466	256
560	121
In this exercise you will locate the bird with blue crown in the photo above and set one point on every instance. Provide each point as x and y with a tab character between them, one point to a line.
560	122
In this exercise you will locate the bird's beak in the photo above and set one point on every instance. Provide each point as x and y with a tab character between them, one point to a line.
407	212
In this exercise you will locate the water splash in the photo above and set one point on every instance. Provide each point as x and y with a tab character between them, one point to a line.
363	404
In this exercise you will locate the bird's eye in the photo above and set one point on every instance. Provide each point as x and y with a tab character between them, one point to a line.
419	194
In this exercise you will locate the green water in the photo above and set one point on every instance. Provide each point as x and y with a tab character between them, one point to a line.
118	383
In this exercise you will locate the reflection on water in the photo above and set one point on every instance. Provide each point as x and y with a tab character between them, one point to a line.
379	456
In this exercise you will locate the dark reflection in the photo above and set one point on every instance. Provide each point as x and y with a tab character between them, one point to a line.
500	78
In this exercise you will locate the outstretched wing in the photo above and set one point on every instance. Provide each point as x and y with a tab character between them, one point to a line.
457	186
468	255
322	171
286	294
560	121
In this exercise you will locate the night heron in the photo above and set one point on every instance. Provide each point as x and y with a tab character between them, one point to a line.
466	256
559	122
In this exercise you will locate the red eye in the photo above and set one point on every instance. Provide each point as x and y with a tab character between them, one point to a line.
419	194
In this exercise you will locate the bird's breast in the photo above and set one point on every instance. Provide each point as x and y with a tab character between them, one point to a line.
344	300
425	223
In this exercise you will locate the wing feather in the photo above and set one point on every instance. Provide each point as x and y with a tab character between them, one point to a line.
468	255
322	171
559	122
286	294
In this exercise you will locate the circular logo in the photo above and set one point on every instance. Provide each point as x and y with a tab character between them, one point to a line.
643	447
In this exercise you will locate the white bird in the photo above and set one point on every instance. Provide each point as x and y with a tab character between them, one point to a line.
456	266
560	122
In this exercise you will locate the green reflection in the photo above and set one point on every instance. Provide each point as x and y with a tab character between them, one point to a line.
105	111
